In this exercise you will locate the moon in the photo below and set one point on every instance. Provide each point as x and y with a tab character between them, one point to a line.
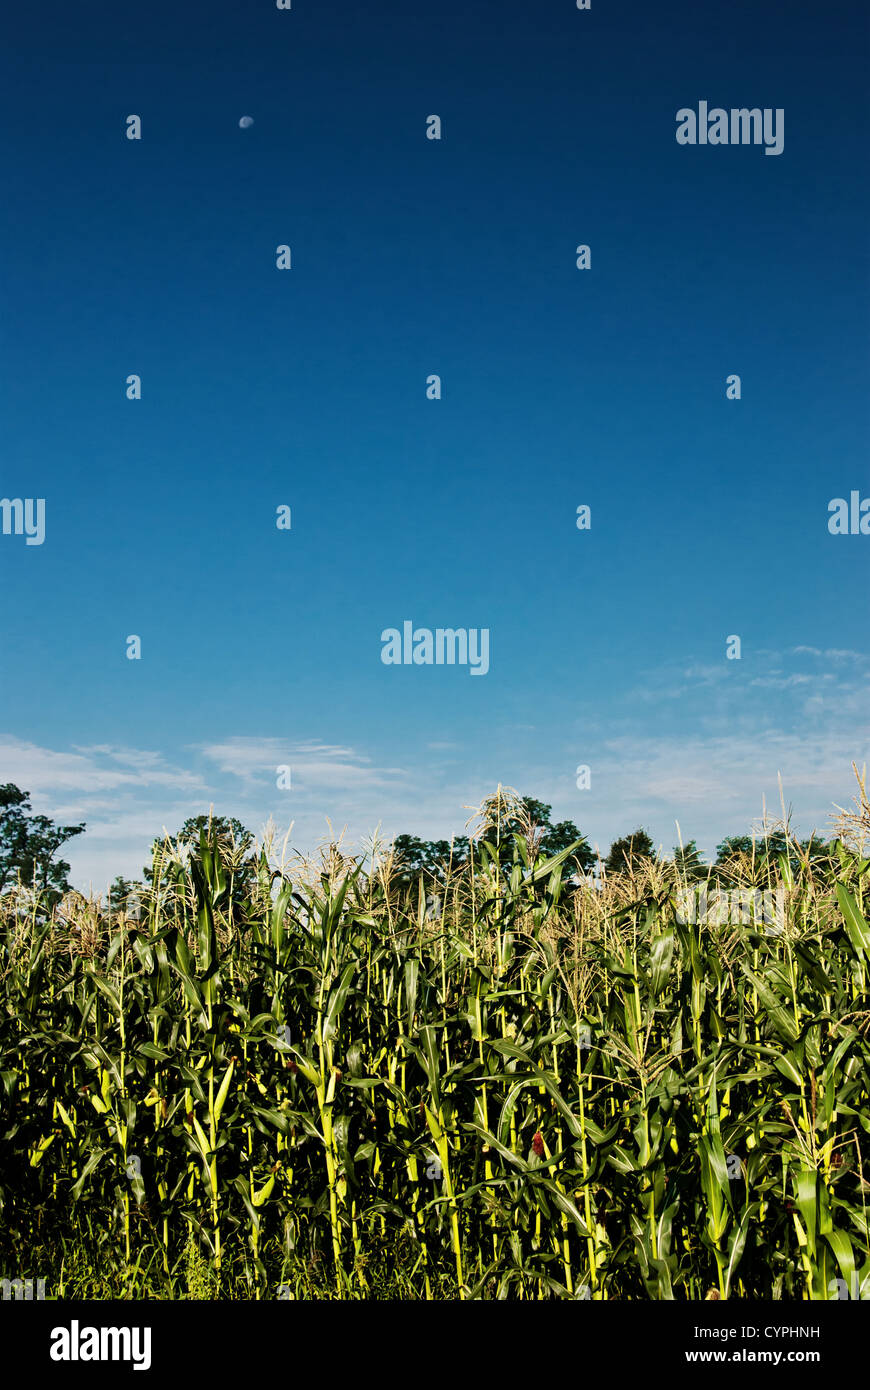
246	121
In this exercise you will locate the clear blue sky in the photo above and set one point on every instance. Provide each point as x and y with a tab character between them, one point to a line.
307	387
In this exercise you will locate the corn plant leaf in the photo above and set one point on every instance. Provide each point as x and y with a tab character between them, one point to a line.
661	958
782	1020
337	999
856	923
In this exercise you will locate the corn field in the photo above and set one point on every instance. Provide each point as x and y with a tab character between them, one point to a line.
310	1085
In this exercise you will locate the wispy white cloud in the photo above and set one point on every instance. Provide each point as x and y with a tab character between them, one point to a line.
775	681
312	764
46	771
835	654
679	682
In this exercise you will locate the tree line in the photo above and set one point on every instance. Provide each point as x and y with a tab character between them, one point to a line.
29	846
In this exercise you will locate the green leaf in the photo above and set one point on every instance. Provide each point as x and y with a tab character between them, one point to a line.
661	957
856	924
782	1020
337	999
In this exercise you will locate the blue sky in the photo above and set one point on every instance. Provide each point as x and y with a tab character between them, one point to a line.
307	387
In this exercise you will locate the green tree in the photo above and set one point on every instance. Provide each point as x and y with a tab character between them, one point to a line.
637	845
551	839
121	891
732	846
429	857
232	839
29	843
688	862
768	849
531	819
